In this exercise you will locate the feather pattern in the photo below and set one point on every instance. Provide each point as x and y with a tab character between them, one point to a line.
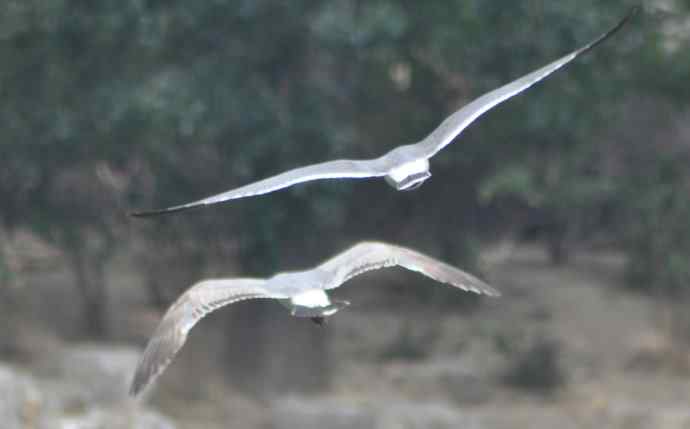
171	333
369	256
339	169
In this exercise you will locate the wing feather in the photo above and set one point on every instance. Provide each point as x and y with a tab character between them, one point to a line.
339	169
369	256
458	121
171	333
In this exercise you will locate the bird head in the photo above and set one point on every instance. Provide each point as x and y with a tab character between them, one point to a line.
319	313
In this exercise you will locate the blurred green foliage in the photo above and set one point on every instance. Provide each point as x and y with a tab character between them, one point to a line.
111	105
657	235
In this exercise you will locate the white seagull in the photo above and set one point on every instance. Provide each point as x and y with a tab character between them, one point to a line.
405	167
302	292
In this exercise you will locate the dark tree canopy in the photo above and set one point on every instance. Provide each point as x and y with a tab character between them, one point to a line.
115	105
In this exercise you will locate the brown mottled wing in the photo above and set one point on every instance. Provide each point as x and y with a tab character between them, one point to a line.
369	256
171	333
458	121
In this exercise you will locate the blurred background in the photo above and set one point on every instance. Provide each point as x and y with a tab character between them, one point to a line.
572	199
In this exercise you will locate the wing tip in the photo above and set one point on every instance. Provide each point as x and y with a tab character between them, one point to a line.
144	213
142	377
157	212
157	355
634	10
135	387
481	288
491	291
613	30
148	370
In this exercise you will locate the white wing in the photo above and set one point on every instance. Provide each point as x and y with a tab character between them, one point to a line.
183	314
340	169
369	256
458	121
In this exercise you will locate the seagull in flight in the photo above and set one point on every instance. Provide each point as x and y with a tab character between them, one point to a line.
302	292
404	167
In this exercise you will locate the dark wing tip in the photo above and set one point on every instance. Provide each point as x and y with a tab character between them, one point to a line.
151	213
137	385
143	213
139	380
158	354
144	373
631	13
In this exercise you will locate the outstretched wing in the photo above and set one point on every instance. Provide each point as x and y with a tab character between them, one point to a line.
340	169
458	121
369	256
183	314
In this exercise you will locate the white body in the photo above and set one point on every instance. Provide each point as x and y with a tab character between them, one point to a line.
409	168
312	298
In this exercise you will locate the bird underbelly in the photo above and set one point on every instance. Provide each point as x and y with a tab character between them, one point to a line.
410	175
311	298
314	303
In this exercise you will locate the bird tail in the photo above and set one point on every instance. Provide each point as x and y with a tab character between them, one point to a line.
329	310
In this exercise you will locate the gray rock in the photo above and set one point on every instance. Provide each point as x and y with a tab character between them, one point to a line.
458	380
628	413
416	415
117	418
317	413
20	398
102	373
28	402
526	417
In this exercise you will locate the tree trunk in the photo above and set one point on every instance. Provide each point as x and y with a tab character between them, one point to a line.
89	275
157	297
558	252
558	237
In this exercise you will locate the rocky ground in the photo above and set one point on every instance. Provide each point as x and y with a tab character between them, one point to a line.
564	347
80	387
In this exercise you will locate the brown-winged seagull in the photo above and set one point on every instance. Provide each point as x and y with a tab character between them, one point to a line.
405	167
302	292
